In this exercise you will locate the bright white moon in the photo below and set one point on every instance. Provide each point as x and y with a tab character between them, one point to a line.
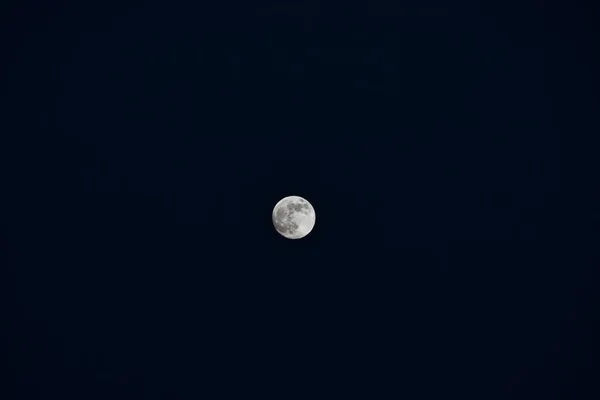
294	217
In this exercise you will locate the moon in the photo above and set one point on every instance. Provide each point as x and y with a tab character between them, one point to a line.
294	217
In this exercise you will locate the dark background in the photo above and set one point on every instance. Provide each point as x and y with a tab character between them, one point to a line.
144	145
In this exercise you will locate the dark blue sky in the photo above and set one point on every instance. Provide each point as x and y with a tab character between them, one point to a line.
144	145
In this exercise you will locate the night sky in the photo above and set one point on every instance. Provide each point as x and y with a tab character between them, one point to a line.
143	146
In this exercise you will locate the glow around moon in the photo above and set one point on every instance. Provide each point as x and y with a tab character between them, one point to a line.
294	217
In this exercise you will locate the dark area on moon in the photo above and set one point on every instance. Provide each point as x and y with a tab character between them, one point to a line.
297	207
143	146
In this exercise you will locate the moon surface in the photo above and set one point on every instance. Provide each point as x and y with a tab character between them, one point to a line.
294	217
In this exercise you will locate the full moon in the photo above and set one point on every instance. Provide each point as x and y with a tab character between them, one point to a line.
294	217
